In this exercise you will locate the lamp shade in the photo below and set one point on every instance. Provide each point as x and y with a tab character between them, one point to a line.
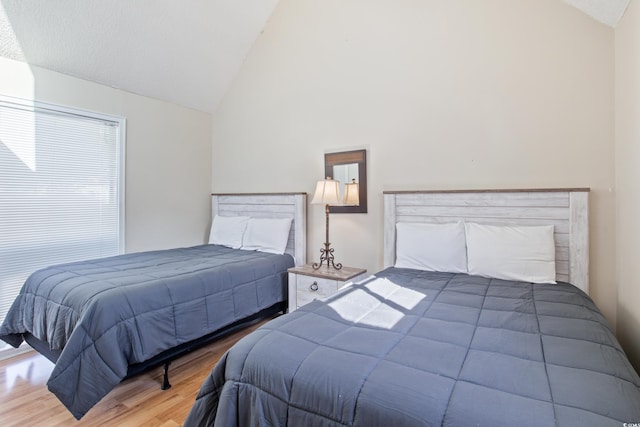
352	193
327	192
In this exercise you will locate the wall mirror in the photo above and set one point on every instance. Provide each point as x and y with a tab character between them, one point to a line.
345	167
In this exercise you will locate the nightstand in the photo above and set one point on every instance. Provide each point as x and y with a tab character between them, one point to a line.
307	284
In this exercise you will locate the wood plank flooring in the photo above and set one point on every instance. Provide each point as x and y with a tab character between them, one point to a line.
25	400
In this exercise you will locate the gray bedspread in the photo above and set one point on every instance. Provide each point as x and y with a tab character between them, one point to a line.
110	313
412	348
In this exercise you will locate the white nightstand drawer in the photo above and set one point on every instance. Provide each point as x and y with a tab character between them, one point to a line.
310	288
307	283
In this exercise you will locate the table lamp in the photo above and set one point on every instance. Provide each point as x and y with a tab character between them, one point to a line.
327	193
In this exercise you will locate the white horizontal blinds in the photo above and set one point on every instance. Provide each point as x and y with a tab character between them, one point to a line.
59	191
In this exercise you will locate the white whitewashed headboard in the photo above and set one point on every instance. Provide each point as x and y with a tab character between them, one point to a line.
270	205
566	209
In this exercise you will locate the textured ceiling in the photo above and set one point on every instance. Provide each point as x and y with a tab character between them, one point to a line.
606	11
184	52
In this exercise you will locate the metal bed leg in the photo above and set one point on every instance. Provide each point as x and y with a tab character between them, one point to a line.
165	380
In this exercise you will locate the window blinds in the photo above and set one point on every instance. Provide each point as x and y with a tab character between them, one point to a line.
60	190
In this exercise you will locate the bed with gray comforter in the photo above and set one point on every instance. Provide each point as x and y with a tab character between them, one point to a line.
415	348
107	314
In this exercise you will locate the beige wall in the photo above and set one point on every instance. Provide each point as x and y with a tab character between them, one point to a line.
452	94
168	154
627	161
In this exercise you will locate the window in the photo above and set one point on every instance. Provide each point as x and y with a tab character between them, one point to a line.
61	189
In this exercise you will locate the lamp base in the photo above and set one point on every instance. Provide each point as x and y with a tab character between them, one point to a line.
326	254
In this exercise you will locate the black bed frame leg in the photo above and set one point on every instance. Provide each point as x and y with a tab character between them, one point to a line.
165	380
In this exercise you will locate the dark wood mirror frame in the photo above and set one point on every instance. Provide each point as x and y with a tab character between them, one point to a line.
358	157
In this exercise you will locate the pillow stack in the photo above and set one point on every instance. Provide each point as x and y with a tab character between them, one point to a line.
254	234
431	247
522	253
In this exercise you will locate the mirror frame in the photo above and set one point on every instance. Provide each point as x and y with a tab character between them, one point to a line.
345	158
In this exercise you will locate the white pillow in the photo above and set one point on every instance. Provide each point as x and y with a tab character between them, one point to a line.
527	254
228	230
431	247
267	235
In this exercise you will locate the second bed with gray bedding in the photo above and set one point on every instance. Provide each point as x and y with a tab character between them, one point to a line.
107	314
410	348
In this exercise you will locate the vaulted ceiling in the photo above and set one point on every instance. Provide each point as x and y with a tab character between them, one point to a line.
186	53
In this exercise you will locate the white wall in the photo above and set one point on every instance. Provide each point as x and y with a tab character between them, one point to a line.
168	154
627	161
455	94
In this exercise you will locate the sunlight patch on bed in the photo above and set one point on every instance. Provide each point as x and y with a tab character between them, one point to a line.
379	303
404	297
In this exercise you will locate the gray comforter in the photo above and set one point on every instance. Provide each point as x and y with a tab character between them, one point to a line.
416	348
110	313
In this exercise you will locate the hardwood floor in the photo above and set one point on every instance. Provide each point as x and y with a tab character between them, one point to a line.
25	400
